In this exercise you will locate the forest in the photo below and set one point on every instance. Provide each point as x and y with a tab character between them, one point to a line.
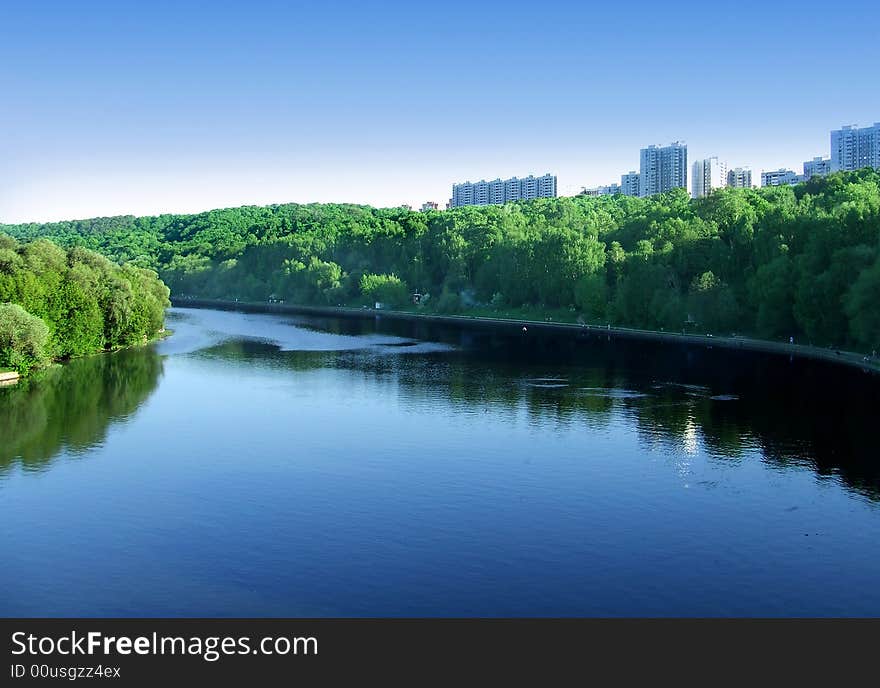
792	261
58	303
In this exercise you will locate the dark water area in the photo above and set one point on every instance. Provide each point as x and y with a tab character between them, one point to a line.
265	465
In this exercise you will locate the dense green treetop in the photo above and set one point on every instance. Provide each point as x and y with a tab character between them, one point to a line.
786	261
58	303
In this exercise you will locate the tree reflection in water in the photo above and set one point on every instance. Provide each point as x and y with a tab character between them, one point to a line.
70	407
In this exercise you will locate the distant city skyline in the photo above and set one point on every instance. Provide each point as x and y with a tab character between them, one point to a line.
497	191
111	108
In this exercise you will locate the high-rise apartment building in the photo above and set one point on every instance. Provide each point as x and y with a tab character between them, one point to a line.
462	194
629	183
498	191
547	186
780	177
662	168
512	189
481	193
817	167
853	148
429	205
739	178
706	175
529	188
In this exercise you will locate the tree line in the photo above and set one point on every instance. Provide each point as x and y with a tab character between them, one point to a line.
57	303
799	261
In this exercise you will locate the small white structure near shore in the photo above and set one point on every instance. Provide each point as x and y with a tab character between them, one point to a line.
8	378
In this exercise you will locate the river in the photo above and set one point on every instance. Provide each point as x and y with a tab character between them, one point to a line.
266	465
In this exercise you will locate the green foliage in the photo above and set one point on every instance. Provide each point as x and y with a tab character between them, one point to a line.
59	303
450	301
23	338
772	290
387	289
863	309
784	261
711	304
591	296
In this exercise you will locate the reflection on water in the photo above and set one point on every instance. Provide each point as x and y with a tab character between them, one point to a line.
203	329
729	403
256	465
72	407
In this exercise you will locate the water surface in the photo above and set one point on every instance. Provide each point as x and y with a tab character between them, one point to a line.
260	465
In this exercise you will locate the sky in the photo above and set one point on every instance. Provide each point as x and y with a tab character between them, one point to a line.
124	107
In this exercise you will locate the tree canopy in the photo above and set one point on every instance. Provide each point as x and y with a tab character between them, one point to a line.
57	303
776	262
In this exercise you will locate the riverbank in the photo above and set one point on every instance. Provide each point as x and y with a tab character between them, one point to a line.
538	327
10	377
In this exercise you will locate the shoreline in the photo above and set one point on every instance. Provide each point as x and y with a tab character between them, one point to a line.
12	377
836	356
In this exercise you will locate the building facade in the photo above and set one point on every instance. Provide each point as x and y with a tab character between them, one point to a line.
853	148
528	188
498	191
547	186
780	177
817	167
429	205
629	183
662	168
739	178
462	194
481	193
512	189
706	175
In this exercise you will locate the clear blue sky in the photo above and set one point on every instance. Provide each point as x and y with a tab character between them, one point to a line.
123	107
